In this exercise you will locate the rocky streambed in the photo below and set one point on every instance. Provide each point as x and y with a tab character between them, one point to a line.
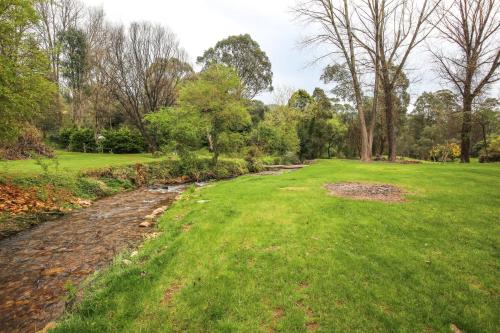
38	266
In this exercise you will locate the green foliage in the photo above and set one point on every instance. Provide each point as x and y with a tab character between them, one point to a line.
123	141
83	140
178	129
432	122
208	107
493	152
91	188
74	61
277	134
340	75
25	90
257	110
64	136
300	100
253	159
245	56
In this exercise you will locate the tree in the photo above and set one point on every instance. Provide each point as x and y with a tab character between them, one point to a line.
143	69
390	32
74	63
212	106
243	54
487	116
333	19
24	88
300	100
277	133
319	96
56	17
434	121
257	110
470	57
314	131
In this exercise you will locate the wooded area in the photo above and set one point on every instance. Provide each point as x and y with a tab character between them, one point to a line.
72	79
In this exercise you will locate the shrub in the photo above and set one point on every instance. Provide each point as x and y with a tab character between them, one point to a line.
253	160
29	144
64	136
290	158
493	152
91	188
82	140
491	157
445	152
123	141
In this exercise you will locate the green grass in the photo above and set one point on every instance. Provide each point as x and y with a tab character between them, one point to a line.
70	162
277	254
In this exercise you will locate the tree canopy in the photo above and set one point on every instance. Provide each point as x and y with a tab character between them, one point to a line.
245	55
24	88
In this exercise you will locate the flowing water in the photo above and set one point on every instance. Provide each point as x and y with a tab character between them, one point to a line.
38	265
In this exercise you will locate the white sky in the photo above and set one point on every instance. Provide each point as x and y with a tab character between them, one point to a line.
199	24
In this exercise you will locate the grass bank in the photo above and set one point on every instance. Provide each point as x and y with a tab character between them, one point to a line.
278	254
33	191
71	163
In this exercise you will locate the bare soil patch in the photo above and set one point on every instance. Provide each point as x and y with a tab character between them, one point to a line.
170	292
360	191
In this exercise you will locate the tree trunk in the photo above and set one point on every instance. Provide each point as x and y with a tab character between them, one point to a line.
466	130
389	119
365	149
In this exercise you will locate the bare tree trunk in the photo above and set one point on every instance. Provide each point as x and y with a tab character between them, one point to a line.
466	130
389	117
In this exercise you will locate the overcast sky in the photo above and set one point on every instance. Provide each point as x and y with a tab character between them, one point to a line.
199	24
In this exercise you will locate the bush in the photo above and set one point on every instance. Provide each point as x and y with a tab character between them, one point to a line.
253	160
493	152
197	169
123	141
82	140
29	144
491	157
63	139
91	188
445	152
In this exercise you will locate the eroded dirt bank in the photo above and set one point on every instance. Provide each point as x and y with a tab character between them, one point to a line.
38	265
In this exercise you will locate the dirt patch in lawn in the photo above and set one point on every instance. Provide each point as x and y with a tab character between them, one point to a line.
360	191
170	292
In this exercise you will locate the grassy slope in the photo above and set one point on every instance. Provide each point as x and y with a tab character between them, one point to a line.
73	162
279	254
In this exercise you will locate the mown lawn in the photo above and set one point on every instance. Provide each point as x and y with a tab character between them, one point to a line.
277	254
71	162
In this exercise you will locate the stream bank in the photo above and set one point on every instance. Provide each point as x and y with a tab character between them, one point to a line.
40	266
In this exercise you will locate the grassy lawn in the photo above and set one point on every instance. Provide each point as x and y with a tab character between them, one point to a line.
72	163
277	254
